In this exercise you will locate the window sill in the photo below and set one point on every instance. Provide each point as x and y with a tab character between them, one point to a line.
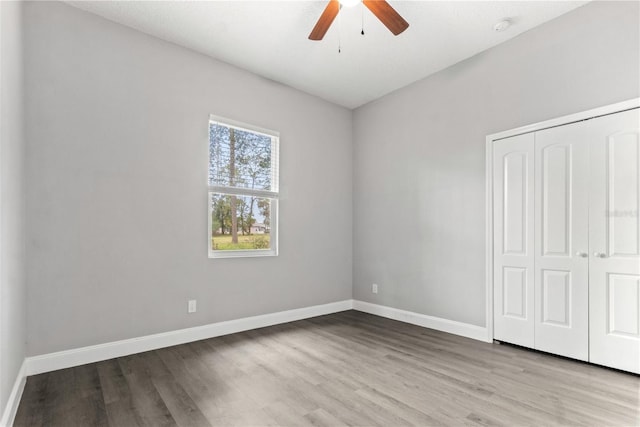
253	253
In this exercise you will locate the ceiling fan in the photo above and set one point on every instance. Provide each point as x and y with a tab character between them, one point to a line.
380	8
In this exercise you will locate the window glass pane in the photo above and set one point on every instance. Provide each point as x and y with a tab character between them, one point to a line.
252	223
240	158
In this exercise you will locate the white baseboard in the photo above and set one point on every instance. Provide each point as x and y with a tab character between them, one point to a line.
451	326
10	410
95	353
80	356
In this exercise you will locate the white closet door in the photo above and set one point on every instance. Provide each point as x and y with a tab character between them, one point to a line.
513	160
614	266
561	241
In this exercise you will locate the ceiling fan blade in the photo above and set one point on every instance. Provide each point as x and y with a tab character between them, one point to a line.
325	20
387	15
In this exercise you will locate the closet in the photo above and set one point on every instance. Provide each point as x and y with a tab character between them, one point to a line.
566	239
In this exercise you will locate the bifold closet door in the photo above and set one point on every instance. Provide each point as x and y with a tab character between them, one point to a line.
513	183
561	263
614	266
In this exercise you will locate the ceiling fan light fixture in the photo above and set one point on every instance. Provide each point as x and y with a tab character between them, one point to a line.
349	3
380	8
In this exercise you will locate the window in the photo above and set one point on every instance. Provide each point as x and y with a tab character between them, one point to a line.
243	190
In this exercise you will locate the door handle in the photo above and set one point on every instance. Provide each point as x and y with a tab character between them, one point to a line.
599	255
582	254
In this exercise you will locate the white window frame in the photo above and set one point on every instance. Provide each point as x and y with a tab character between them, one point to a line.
237	191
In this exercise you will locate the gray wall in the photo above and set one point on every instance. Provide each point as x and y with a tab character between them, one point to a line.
116	161
13	289
117	190
419	153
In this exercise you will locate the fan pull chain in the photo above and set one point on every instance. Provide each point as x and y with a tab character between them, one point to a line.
340	29
362	15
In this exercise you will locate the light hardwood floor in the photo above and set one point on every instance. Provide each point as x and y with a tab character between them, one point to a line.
347	368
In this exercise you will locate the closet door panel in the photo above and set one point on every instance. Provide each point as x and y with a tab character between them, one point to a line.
561	241
513	239
614	269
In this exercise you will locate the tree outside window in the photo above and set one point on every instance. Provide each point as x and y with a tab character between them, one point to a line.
243	190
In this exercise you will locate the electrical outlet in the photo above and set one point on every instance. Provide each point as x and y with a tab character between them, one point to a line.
374	288
191	306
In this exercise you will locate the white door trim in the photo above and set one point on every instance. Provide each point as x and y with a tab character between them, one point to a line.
490	139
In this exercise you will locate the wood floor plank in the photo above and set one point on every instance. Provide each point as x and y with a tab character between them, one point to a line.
214	396
34	396
60	398
89	406
182	408
392	405
117	395
322	418
147	402
347	368
286	415
71	397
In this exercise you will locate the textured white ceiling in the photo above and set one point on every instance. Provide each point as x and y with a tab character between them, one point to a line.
269	38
